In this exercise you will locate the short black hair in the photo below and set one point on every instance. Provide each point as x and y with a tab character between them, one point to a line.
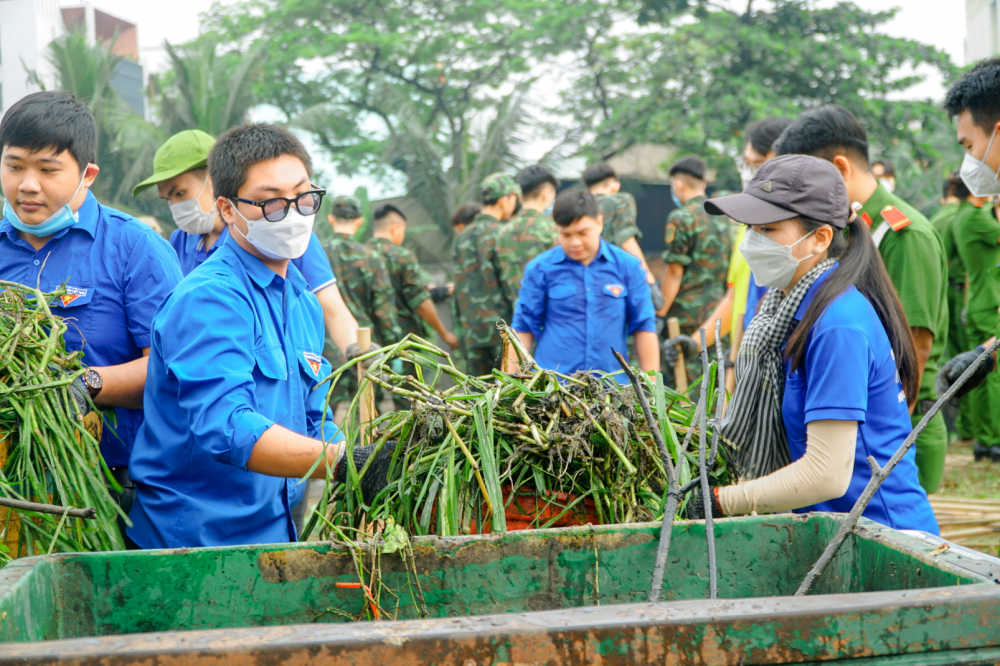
692	165
886	167
978	92
465	214
532	177
954	186
243	146
383	210
823	133
762	133
51	119
596	173
571	205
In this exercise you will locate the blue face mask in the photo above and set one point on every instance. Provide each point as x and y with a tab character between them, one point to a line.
59	220
677	202
548	211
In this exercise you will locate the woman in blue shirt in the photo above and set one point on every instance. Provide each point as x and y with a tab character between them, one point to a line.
827	367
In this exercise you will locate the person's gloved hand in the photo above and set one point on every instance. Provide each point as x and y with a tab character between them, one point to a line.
688	347
375	479
353	351
696	506
440	293
657	295
81	396
954	368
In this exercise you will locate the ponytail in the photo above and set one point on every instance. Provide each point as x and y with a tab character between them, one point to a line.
861	266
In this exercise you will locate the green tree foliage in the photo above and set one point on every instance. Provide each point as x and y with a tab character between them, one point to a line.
695	75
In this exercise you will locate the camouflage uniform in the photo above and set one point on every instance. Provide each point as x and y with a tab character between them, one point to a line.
518	242
367	290
619	214
479	299
409	282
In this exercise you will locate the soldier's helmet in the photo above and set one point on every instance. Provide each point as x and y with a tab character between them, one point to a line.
497	185
346	208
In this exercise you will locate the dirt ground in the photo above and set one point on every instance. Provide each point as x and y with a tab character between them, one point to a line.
965	478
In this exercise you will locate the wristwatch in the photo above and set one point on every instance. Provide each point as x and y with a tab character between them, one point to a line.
94	383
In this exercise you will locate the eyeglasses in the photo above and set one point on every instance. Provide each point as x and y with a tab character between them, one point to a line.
276	209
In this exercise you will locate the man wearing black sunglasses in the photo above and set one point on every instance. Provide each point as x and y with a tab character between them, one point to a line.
232	420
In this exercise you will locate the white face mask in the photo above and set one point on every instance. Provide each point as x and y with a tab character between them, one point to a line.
771	262
287	239
981	180
189	216
889	185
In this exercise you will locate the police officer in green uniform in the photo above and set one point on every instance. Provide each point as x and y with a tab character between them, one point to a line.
973	101
479	301
912	252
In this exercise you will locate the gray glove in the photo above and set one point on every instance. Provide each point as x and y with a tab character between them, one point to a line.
81	396
697	507
954	368
440	293
688	347
353	351
657	294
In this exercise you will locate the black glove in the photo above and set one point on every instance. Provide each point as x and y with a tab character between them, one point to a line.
440	293
696	505
688	347
353	351
954	368
657	295
81	396
374	479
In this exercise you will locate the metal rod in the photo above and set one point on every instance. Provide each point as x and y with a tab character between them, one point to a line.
21	505
673	492
880	473
706	491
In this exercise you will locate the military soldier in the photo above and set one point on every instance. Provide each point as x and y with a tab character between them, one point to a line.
479	300
696	252
910	248
530	233
410	283
364	282
617	209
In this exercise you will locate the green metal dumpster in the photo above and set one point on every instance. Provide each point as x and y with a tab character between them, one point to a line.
563	596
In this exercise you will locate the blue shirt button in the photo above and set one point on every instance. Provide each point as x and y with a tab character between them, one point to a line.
37	262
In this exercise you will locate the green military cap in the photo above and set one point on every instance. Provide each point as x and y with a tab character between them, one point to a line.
345	207
497	185
182	152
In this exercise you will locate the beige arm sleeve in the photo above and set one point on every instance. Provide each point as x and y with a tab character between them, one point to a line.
822	474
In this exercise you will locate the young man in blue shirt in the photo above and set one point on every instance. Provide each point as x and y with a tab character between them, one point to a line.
180	174
584	297
234	412
116	269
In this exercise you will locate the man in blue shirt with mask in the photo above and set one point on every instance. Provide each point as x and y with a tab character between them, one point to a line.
584	297
117	270
234	417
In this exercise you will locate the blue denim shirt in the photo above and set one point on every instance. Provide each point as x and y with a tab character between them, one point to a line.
117	271
578	313
236	349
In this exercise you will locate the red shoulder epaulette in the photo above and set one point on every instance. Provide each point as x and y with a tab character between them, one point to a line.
895	218
867	219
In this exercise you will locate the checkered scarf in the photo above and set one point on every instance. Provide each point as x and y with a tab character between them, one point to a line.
752	424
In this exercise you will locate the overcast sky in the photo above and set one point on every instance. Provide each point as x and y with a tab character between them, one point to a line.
177	21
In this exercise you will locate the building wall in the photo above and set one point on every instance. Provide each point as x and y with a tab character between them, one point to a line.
982	29
26	28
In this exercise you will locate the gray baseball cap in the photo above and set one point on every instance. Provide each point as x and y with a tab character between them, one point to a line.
785	187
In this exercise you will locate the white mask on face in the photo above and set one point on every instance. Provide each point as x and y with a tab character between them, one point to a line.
189	216
771	262
981	180
889	185
287	239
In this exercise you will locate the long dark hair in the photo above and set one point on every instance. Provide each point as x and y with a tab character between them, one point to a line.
861	266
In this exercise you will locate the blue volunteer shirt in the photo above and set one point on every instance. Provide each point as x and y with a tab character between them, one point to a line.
117	271
578	313
314	264
235	350
850	374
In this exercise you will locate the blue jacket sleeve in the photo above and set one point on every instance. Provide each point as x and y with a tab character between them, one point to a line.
639	301
529	313
315	266
151	273
206	342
